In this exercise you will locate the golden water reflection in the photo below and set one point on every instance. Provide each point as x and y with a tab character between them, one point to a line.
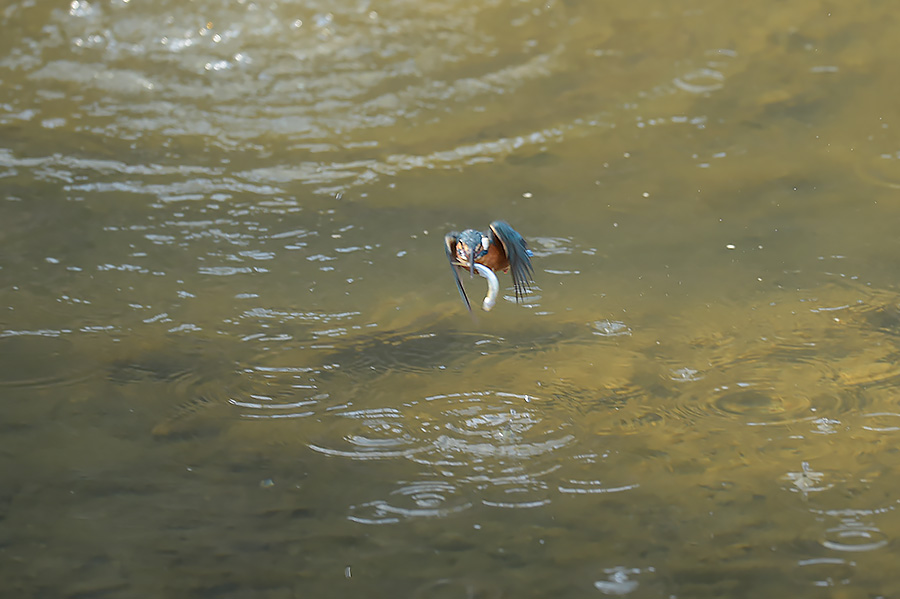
234	361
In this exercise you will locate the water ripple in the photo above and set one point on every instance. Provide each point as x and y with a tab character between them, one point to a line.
685	375
516	493
42	360
412	352
881	422
422	499
762	406
591	487
277	392
854	536
352	74
611	328
483	425
826	571
620	581
370	434
701	81
758	393
196	395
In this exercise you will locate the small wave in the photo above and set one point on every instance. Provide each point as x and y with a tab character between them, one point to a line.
370	434
39	360
611	328
881	422
825	571
422	499
488	425
701	81
854	537
590	487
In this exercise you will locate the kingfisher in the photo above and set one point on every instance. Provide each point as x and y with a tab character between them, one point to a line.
500	248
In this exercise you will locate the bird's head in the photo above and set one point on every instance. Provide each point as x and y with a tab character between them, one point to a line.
470	246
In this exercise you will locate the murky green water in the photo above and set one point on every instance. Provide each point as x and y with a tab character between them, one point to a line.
235	364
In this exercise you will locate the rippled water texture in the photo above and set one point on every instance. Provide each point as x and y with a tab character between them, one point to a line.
234	363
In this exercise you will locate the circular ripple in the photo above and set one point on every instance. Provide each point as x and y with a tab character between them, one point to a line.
807	480
685	375
605	473
466	427
611	328
277	392
407	352
202	404
194	394
881	422
515	489
855	537
530	299
620	581
496	442
751	405
763	406
425	499
592	487
749	402
826	571
701	81
371	434
42	361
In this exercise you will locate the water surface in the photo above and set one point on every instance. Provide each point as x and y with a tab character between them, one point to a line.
234	362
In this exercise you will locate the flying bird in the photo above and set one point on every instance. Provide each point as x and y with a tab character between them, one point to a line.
499	248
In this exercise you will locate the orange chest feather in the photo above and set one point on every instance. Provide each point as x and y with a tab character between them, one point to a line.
495	259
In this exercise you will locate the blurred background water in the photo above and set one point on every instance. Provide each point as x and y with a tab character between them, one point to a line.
233	361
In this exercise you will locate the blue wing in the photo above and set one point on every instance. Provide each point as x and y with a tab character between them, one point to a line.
450	248
518	254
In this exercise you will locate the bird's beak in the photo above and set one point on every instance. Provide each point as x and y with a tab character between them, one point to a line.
472	263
